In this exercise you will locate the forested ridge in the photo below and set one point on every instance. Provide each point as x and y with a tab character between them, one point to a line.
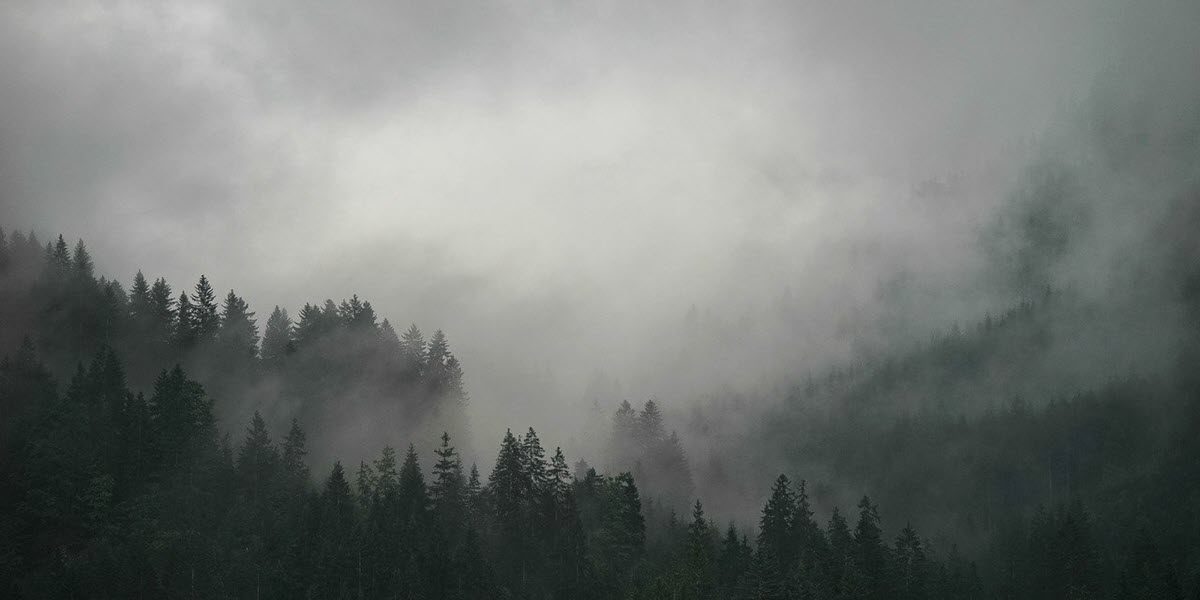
120	479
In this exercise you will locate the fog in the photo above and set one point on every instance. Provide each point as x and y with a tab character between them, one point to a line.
556	185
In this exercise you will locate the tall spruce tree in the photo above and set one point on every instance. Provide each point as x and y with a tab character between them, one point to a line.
238	331
277	341
206	317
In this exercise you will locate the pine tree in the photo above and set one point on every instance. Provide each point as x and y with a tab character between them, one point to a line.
435	373
294	452
911	565
364	483
623	534
356	314
257	458
334	544
448	491
385	478
413	354
808	543
58	260
699	554
623	441
182	417
841	549
870	555
508	485
412	495
238	332
140	303
649	429
775	524
185	322
81	262
205	318
474	495
163	310
277	337
731	566
390	339
534	466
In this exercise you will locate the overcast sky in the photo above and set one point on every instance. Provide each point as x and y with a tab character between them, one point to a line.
552	183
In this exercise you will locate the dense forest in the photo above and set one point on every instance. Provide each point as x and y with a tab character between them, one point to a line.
118	474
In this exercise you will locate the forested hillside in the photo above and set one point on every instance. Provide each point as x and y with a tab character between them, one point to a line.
334	363
140	489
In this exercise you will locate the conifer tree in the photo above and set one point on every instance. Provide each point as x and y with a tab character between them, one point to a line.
364	482
412	495
238	332
81	262
435	372
775	524
841	549
649	429
163	310
257	458
413	353
385	476
870	555
699	554
277	339
293	455
623	441
534	466
205	318
185	322
911	566
623	534
733	562
508	485
448	491
140	302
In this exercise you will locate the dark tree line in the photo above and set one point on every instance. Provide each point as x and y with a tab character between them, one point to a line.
333	360
109	491
141	496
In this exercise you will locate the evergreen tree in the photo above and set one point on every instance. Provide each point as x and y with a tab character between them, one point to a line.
775	525
277	337
436	355
649	429
412	495
413	353
81	262
732	563
238	333
293	455
448	491
182	417
185	322
257	458
140	302
911	565
623	535
870	555
841	551
534	465
699	554
163	310
205	319
624	437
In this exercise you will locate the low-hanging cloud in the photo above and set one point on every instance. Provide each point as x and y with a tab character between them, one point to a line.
552	184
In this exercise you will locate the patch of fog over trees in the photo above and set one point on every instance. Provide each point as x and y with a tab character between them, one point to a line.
1011	410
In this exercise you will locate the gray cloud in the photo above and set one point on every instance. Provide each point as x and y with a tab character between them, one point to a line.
555	184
